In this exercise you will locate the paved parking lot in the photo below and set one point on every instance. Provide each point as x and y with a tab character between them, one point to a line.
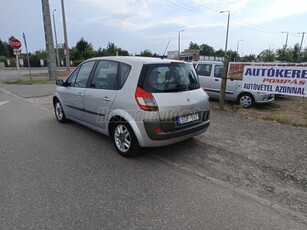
30	91
261	158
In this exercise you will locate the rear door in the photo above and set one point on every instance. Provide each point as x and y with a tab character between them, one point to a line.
231	85
232	88
217	82
205	77
108	78
174	105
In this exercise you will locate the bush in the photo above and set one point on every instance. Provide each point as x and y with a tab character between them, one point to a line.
77	62
12	61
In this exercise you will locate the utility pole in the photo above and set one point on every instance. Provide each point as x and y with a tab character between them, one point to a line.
223	86
65	38
286	38
226	43
225	70
49	41
299	52
238	49
56	40
179	43
29	66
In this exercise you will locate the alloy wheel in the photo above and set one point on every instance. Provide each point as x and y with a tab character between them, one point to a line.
122	138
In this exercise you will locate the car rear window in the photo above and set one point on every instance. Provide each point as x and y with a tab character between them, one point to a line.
159	78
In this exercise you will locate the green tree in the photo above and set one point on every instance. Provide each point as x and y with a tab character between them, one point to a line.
304	55
267	56
83	50
285	55
6	50
99	52
248	58
40	54
233	55
206	50
194	46
219	53
296	50
74	55
146	53
112	50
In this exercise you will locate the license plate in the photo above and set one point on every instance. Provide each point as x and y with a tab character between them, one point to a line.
188	118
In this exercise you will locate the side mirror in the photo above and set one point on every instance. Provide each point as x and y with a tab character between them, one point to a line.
59	82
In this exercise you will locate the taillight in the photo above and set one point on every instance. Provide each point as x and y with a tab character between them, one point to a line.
145	100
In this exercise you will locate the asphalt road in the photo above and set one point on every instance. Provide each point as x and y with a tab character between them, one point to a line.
56	176
12	74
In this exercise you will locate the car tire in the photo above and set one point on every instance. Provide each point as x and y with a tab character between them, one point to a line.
246	100
59	112
124	139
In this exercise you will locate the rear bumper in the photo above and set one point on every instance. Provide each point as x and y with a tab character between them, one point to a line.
165	130
153	135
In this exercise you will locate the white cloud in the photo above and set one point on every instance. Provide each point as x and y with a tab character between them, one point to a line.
141	15
276	9
218	5
132	8
150	22
272	10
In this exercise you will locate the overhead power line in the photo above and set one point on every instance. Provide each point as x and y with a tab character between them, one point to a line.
197	10
203	11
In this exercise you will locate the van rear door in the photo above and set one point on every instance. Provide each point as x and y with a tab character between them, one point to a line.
205	77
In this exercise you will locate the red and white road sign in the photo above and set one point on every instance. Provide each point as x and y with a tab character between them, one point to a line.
15	43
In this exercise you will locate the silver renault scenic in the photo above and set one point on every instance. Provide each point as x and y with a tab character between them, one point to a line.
137	101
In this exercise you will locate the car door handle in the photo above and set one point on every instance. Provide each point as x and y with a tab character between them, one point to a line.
106	99
80	94
216	79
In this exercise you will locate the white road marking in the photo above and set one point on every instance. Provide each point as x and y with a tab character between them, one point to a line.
3	102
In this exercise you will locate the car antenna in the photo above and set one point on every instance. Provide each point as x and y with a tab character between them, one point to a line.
165	49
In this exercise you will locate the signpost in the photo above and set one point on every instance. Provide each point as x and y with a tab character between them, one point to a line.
29	66
16	45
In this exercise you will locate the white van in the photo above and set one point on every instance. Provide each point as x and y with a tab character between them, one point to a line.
210	77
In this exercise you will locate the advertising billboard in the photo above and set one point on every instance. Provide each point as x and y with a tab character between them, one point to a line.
287	79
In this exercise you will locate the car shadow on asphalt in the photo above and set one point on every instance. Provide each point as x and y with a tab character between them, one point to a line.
171	151
174	149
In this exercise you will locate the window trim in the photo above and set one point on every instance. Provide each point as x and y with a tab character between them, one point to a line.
77	70
89	83
118	73
215	67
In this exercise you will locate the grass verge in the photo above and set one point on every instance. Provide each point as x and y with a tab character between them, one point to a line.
285	109
29	82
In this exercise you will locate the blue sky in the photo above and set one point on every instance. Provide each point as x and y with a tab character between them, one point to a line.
136	25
